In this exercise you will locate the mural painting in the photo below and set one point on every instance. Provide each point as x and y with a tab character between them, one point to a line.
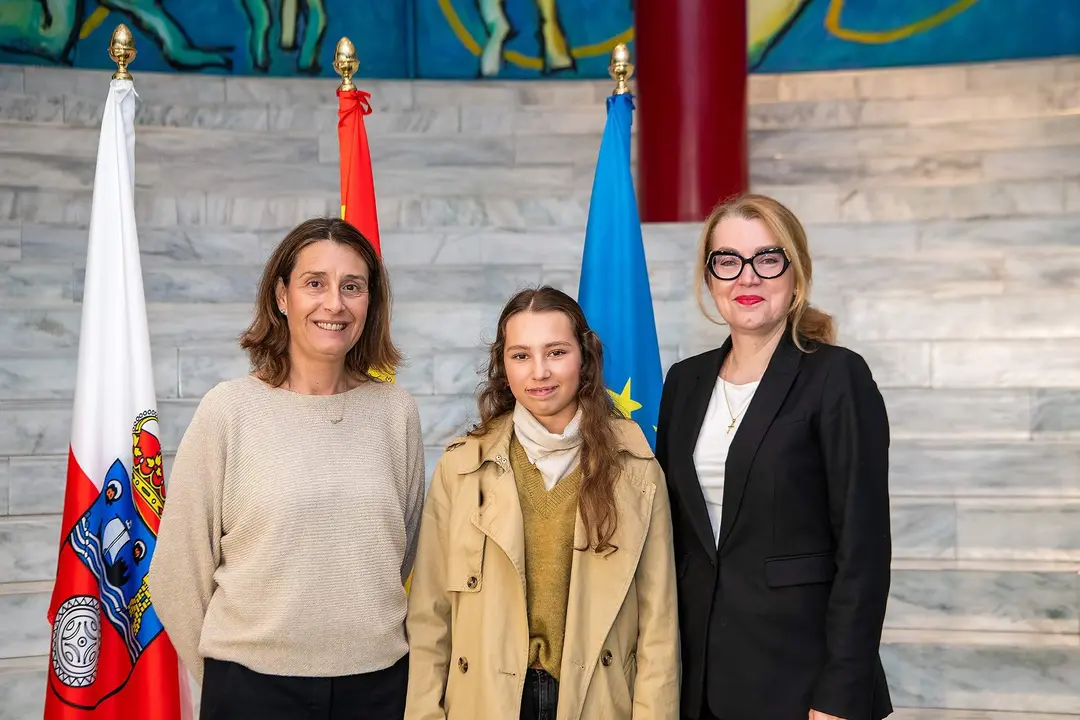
465	39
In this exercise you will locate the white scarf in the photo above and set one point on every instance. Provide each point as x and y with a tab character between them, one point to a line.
553	455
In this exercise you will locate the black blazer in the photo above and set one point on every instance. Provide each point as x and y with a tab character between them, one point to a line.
786	615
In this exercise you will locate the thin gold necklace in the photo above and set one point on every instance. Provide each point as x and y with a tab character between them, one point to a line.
734	416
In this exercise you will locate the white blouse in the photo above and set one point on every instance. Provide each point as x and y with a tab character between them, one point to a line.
714	439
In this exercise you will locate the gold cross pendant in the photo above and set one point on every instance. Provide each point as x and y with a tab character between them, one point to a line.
731	426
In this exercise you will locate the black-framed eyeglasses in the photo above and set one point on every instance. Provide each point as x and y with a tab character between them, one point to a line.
768	263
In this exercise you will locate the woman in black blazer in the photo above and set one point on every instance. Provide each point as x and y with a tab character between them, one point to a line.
776	451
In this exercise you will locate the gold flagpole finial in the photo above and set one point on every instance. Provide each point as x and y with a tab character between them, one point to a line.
345	63
122	51
621	68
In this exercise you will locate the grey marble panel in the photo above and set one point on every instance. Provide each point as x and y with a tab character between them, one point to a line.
46	284
561	121
263	212
1066	70
245	90
417	374
543	149
984	600
17	108
1072	196
1000	235
1006	529
897	364
1019	679
972	275
840	85
923	529
459	372
34	427
997	77
87	112
175	417
921	141
221	146
943	81
10	244
1029	362
21	694
28	548
42	141
323	119
463	284
491	121
72	207
465	94
177	244
195	284
423	151
150	86
421	249
1041	316
805	115
54	173
5	486
201	368
445	417
1046	270
11	79
442	326
523	212
1032	163
23	625
37	484
997	468
762	88
562	93
811	204
1056	411
52	375
936	413
934	170
962	108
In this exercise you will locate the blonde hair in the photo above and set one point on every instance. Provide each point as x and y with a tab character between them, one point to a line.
806	321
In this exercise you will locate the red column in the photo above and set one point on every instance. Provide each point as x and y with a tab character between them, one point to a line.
690	65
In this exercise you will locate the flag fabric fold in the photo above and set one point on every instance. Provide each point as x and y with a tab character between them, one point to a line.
357	180
614	287
109	654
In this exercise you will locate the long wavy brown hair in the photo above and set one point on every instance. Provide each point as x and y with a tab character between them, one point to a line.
267	338
599	453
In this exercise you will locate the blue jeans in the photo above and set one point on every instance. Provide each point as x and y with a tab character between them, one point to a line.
540	696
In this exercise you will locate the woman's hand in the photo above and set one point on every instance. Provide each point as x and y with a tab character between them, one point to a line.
815	715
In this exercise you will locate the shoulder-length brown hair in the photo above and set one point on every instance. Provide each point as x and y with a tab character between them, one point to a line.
807	322
599	454
267	338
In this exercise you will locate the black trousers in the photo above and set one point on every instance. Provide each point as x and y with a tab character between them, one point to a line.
231	691
540	696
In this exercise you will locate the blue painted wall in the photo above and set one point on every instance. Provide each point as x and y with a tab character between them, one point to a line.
448	38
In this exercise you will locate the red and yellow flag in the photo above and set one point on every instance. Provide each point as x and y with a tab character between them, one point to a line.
357	182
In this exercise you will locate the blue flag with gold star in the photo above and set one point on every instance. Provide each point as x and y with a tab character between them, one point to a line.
614	288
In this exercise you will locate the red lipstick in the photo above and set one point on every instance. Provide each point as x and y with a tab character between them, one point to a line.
749	300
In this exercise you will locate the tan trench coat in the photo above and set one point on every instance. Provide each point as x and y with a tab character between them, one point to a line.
467	622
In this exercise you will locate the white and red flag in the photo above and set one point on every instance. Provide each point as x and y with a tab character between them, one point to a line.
109	655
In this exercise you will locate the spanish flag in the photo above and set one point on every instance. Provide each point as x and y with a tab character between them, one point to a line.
357	181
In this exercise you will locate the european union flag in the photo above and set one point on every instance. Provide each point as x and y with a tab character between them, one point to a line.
614	289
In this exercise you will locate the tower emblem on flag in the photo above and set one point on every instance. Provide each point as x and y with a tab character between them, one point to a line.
114	539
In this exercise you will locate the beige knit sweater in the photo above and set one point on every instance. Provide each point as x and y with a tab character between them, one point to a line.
289	527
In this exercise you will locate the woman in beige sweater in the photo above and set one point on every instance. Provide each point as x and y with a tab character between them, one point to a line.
545	579
294	501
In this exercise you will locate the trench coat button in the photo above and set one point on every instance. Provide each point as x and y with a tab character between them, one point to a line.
463	664
471	582
605	658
